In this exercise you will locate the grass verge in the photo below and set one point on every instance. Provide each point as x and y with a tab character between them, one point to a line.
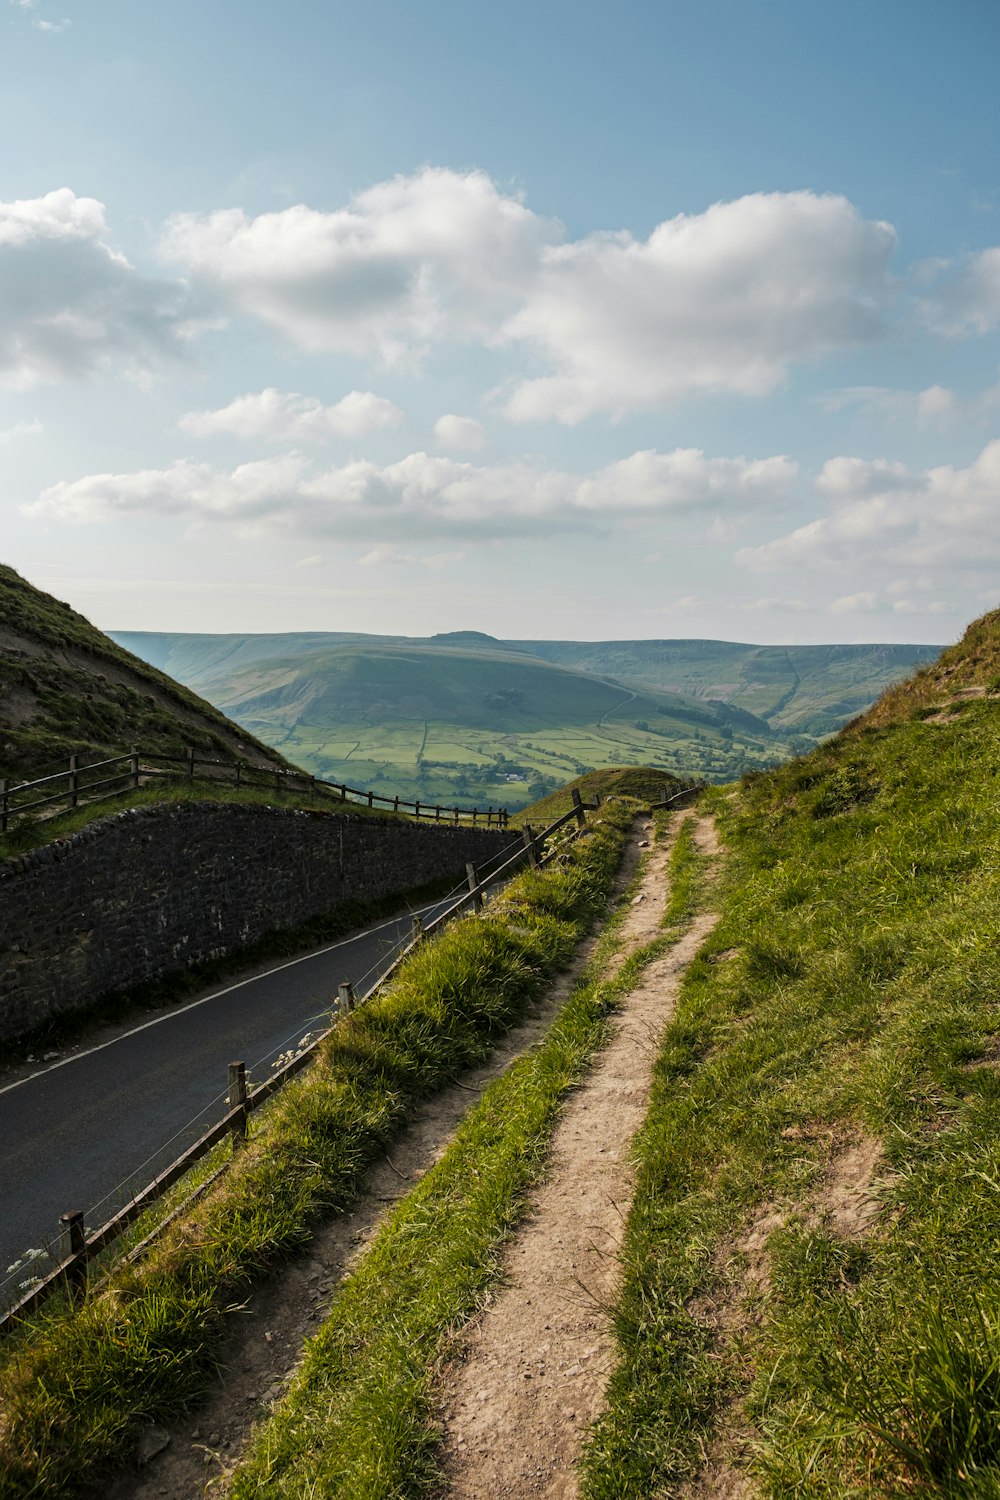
358	1419
835	1044
81	1382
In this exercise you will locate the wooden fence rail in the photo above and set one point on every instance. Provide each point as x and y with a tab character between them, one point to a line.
79	783
78	1248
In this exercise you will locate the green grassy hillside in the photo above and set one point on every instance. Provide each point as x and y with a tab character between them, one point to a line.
807	690
799	690
447	723
812	1293
66	687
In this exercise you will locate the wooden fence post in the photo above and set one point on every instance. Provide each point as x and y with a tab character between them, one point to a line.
346	996
475	815
190	761
395	804
581	816
239	770
238	1100
343	793
474	886
4	784
74	780
72	1242
529	844
371	799
417	931
134	768
437	814
416	806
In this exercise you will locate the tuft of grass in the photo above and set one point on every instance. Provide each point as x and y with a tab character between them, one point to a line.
80	1382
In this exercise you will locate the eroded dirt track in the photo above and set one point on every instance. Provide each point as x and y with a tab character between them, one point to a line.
530	1375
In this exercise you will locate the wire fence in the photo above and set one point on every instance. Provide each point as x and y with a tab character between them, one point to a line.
67	1257
87	781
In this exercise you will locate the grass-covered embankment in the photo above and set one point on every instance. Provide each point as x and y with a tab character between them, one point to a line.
359	1417
81	1383
787	1309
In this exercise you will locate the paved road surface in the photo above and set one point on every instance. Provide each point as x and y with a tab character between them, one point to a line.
74	1132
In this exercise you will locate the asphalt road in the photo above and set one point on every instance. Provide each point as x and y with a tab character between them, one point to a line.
93	1128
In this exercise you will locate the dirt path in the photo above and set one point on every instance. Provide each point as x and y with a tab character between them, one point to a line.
530	1375
266	1342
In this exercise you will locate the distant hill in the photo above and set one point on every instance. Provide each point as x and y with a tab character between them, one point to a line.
465	716
798	690
65	687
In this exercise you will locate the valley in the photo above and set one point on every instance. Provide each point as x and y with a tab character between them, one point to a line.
466	717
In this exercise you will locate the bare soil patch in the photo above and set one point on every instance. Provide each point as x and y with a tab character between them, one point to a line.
269	1332
529	1375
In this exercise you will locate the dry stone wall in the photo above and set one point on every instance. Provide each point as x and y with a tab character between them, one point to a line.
146	892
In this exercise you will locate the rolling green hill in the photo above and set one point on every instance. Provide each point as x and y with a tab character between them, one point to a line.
465	716
450	721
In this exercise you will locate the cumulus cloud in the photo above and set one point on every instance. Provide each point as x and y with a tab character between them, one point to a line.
425	495
286	417
459	432
70	303
723	300
53	28
437	255
936	518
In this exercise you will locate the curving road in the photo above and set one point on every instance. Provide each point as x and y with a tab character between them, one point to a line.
91	1129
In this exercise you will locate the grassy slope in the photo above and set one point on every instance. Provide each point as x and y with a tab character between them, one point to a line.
849	994
65	686
80	1385
641	782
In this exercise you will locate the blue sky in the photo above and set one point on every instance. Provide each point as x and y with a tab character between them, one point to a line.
558	319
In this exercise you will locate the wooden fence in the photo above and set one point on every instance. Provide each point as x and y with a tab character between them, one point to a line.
77	1248
98	780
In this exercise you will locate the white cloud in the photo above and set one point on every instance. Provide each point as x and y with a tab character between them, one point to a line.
424	495
70	303
21	429
723	300
53	28
771	603
678	606
459	432
435	562
280	417
852	478
850	604
437	255
939	518
314	560
966	299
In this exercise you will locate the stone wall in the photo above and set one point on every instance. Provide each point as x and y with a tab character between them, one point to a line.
146	892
